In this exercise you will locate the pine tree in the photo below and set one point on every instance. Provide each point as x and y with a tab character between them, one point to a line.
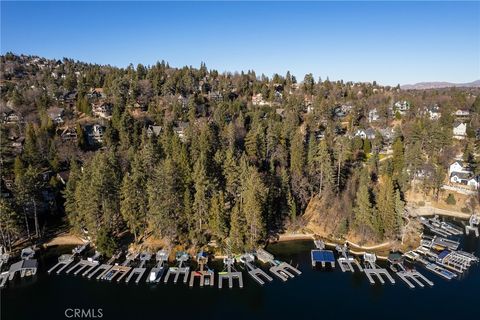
323	166
386	208
363	209
218	216
237	230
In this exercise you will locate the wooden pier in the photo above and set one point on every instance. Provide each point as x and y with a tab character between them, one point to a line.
229	273
371	269
207	277
256	273
180	269
346	261
140	270
157	272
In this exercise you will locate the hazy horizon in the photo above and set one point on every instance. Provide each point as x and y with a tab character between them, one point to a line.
388	42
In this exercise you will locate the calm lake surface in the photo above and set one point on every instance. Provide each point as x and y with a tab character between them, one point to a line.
316	294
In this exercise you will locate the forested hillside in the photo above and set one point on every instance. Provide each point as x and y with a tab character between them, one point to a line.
192	155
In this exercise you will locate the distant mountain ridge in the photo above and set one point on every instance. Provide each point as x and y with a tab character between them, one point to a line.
438	85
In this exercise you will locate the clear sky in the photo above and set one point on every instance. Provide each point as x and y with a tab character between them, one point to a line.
390	42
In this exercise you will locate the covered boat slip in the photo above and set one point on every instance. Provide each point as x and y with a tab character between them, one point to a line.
323	257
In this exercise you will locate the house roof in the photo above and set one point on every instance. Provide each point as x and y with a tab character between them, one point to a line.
461	175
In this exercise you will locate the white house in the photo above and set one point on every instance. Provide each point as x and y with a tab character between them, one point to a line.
462	113
457	166
459	130
365	134
434	112
373	115
465	178
257	100
401	106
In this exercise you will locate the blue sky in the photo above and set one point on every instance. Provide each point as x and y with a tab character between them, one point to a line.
390	42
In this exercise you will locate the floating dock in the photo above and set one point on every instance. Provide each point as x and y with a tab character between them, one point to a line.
157	272
256	273
229	273
439	243
442	272
441	228
206	275
140	270
180	269
280	269
456	261
85	265
346	261
371	269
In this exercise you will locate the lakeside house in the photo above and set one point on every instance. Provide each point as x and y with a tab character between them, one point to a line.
459	130
459	173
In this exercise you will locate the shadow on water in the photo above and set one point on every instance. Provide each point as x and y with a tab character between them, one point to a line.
316	294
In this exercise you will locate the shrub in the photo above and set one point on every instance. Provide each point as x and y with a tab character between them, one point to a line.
451	200
465	210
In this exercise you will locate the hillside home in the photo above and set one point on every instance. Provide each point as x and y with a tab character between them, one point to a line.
102	110
433	112
365	133
401	106
257	100
373	115
69	134
459	130
465	178
179	130
153	130
56	114
462	113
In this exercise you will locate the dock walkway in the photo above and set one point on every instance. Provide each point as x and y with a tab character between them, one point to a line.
255	272
229	273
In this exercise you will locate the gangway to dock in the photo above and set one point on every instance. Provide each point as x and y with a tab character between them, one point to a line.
180	269
229	273
157	272
371	269
255	272
206	275
140	270
346	261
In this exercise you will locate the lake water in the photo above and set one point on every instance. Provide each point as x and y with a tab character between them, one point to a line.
316	294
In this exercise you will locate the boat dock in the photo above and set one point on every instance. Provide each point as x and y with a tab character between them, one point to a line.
346	261
473	224
280	269
120	270
3	278
256	273
229	273
409	276
182	258
439	243
442	272
456	261
102	269
157	272
63	261
140	270
207	276
322	256
85	264
371	268
441	228
4	256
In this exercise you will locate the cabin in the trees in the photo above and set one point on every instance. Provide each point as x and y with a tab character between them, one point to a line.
95	134
102	110
365	133
180	128
401	107
69	99
153	130
69	134
257	100
56	114
433	112
459	130
373	115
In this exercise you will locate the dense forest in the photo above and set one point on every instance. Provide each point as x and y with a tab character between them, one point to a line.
194	156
